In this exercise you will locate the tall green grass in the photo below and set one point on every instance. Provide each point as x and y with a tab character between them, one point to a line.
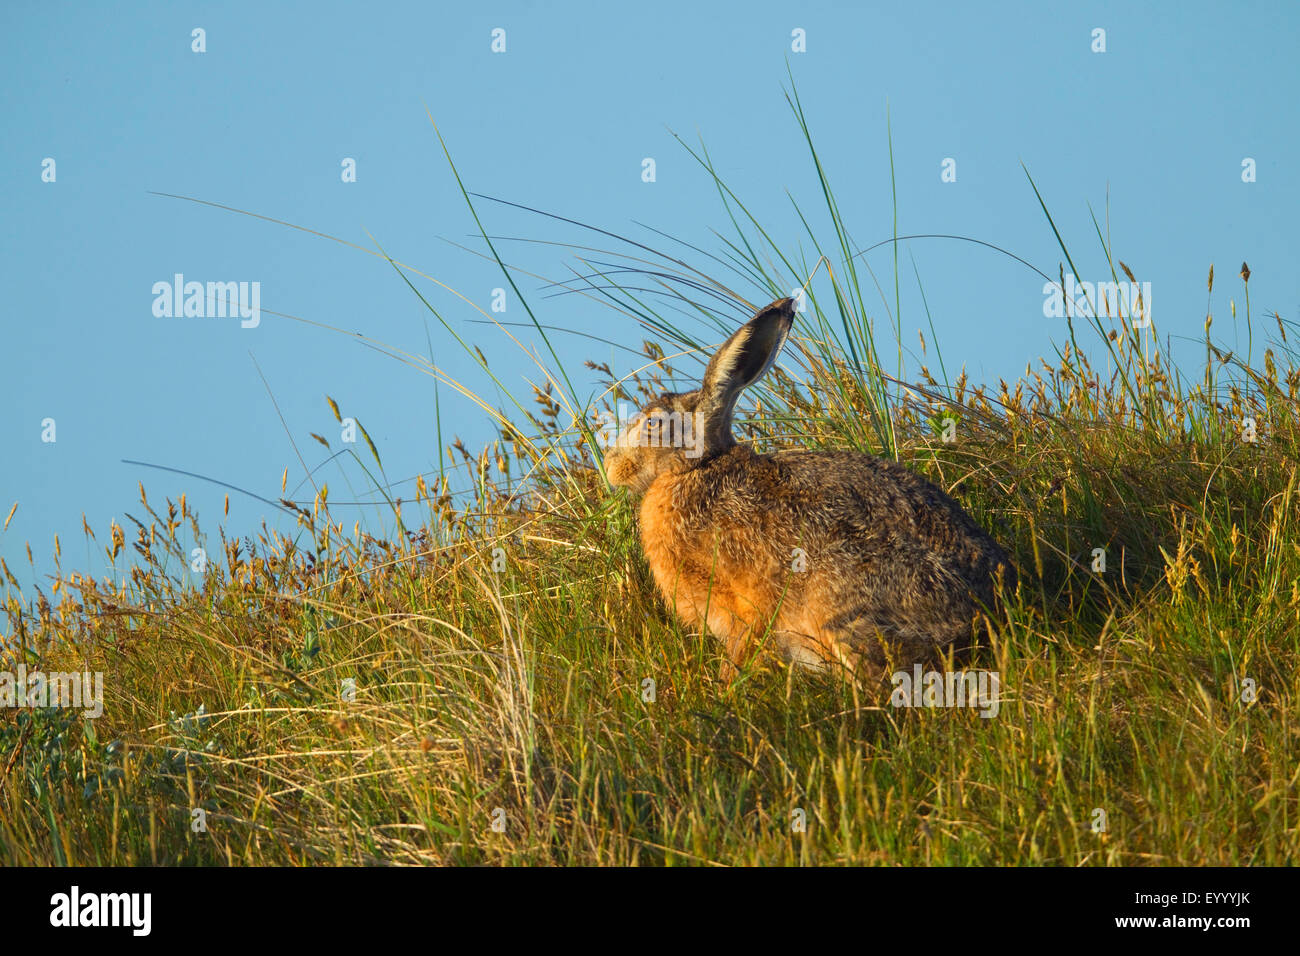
522	695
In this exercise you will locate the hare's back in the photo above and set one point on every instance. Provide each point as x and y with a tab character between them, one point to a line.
866	499
893	547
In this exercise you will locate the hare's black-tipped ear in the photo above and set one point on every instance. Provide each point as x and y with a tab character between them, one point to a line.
740	362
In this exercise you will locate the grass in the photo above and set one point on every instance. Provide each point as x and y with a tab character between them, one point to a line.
496	681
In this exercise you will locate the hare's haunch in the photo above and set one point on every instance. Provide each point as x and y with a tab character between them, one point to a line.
836	558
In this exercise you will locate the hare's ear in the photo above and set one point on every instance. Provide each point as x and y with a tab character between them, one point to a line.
740	362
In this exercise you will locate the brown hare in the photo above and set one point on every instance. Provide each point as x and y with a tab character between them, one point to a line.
834	557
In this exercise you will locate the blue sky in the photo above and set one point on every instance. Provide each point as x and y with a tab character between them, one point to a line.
1157	126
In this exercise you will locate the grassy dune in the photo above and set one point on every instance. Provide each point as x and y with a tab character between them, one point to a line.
471	687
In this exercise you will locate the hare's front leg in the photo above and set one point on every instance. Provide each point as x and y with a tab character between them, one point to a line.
801	650
738	642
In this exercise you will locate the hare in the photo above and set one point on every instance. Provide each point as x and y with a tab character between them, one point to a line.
836	558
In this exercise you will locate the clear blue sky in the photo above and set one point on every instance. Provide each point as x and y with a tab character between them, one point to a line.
1159	123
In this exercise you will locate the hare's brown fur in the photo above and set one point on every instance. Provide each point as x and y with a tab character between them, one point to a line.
836	558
